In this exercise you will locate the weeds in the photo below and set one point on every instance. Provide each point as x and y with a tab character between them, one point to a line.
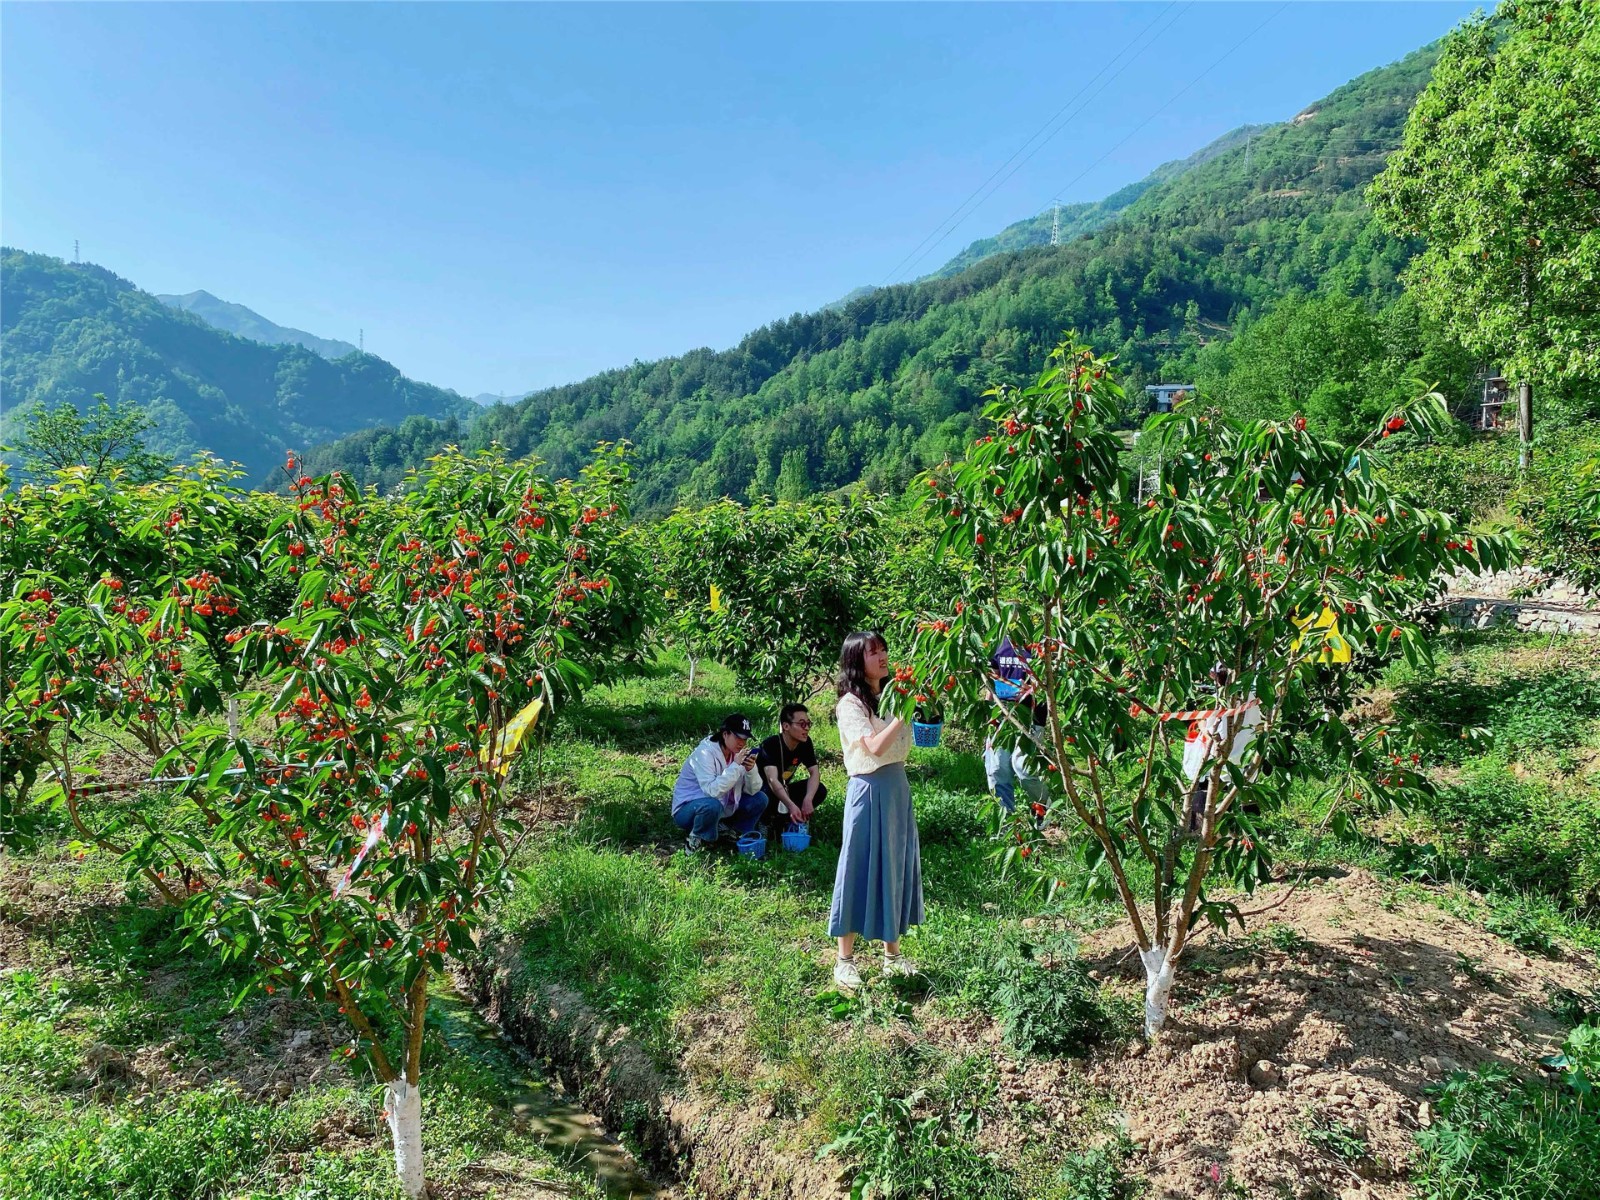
1286	938
1047	1002
1495	1137
1336	1138
898	1154
1098	1173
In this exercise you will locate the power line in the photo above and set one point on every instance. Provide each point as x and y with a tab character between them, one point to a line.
962	210
1217	62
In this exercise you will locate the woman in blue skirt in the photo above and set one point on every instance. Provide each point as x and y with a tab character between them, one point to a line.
877	893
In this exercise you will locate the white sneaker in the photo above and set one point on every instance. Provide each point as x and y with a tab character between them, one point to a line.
898	964
693	844
846	975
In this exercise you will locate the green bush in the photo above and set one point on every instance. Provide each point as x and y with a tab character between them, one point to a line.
1047	1002
900	1155
1495	1138
1472	481
1560	506
1099	1173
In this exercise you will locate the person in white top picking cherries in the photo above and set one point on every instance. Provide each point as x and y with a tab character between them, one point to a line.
877	890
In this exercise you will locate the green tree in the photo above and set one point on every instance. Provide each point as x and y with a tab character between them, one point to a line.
1499	172
1259	529
109	437
770	590
794	482
350	835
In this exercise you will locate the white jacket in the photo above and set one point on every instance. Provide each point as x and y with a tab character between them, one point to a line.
707	772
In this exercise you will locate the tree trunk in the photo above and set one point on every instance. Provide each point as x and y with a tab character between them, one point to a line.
691	672
1524	426
1158	974
233	718
404	1102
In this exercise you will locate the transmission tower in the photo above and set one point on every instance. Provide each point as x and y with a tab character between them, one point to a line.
74	250
1055	226
361	340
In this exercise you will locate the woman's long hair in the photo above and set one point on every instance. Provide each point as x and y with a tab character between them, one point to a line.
853	667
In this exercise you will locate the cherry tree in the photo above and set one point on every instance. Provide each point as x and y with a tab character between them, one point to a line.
348	832
1262	549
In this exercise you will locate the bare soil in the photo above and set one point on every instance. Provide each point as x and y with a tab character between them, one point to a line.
1343	1032
1293	1072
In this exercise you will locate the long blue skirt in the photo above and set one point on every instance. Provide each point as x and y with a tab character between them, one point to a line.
877	892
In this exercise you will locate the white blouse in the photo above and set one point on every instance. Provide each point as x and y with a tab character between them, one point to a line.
856	724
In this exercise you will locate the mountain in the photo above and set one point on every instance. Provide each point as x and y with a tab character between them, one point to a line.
1080	219
890	382
69	331
247	323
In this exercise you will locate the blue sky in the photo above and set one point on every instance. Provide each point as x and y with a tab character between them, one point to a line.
506	196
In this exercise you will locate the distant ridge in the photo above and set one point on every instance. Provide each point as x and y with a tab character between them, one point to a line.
1080	219
247	323
74	330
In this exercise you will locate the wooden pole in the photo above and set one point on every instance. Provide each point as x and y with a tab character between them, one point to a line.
1525	425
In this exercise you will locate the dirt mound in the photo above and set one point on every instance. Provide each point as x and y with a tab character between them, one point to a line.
1295	1058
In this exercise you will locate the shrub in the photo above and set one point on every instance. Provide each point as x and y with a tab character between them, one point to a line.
1047	1002
1098	1173
1495	1138
898	1155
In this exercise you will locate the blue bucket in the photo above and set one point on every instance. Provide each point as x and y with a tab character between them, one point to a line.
796	840
753	845
926	736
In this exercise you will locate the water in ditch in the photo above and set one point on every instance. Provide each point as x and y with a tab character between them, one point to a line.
570	1133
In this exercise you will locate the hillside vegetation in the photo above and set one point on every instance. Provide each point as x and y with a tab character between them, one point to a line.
1077	220
247	323
889	383
72	331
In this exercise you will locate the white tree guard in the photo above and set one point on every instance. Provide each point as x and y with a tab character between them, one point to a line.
404	1102
1158	975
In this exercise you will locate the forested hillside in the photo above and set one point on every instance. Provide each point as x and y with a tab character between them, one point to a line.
247	323
888	383
73	330
1079	219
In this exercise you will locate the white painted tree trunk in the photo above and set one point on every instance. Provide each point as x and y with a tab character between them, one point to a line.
233	718
1158	974
404	1102
691	672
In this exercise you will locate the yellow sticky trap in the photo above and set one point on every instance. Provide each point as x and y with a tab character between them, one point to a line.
716	598
1335	646
511	737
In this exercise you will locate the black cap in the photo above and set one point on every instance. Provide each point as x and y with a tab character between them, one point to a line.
736	723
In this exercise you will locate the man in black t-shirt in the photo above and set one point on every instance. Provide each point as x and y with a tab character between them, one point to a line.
779	761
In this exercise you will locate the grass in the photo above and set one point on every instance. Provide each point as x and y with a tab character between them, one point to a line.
734	953
719	968
125	1072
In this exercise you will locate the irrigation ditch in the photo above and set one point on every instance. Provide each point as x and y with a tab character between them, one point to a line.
721	1151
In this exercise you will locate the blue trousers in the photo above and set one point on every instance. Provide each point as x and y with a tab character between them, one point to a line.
1007	768
701	816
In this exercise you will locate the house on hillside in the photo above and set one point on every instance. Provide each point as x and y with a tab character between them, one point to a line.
1490	406
1164	395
